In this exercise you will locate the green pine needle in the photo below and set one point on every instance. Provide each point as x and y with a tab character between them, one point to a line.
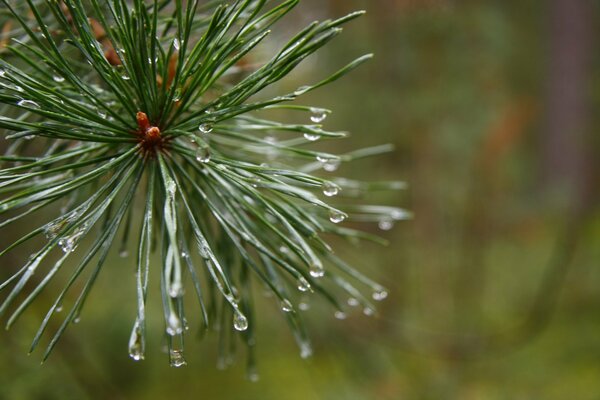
135	124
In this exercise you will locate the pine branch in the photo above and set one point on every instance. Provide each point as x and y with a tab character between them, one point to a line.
107	104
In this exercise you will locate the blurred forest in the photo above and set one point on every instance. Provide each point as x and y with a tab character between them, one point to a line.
494	285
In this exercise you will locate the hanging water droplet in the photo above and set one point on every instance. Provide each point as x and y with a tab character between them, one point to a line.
28	104
58	78
176	290
125	77
136	345
58	308
240	322
379	295
304	305
330	189
176	44
174	326
123	254
253	375
176	358
385	224
340	315
318	115
286	306
303	284
77	320
184	255
368	311
317	270
205	127
336	216
305	350
352	302
313	137
203	154
329	163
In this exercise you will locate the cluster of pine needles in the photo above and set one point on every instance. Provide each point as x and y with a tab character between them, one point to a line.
143	127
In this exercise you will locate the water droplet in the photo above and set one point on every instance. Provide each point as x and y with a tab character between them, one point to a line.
330	189
313	137
58	78
123	254
203	154
352	302
136	344
340	315
176	358
303	284
77	320
253	376
205	128
240	322
306	350
102	114
184	255
286	306
379	295
301	90
176	290
176	44
174	326
336	216
368	311
318	115
28	104
2	73
58	308
317	270
171	187
125	77
330	163
304	305
386	224
284	250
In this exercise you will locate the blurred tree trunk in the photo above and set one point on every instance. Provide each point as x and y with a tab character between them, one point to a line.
566	159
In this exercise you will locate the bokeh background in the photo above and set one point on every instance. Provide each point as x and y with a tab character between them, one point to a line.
494	285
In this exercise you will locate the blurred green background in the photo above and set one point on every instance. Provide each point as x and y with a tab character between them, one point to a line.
494	286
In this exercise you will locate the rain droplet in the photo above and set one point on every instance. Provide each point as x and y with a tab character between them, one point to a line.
318	115
305	350
317	270
58	308
28	104
313	137
253	376
77	320
240	322
58	78
2	73
340	315
174	326
176	358
176	44
303	284
125	77
379	295
304	305
123	254
330	163
286	306
176	290
352	302
386	224
336	216
368	311
330	189
136	346
203	154
301	90
205	127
